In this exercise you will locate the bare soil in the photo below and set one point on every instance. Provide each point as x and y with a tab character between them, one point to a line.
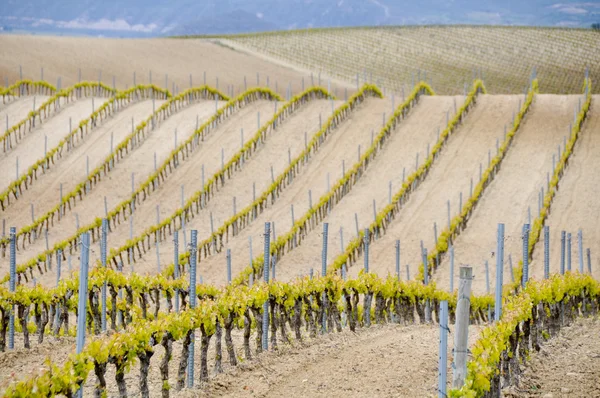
70	170
21	363
382	361
178	58
31	148
450	176
17	109
341	146
566	366
576	202
413	135
515	189
226	138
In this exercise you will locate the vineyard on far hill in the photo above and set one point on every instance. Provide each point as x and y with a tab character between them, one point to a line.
446	56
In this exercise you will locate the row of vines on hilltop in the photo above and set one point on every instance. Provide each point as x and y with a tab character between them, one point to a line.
199	199
318	212
26	87
160	285
117	101
560	167
243	218
528	317
120	213
131	141
50	107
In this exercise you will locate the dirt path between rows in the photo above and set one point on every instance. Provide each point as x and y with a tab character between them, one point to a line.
21	363
383	361
575	200
31	148
566	366
514	190
18	109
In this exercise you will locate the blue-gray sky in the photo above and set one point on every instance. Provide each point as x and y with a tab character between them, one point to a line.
168	17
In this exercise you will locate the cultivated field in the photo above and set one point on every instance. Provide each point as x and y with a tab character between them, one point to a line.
448	56
417	163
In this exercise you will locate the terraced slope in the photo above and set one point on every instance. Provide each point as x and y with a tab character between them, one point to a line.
514	190
576	203
450	176
31	147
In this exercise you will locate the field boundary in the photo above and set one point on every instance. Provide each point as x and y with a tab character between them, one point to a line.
368	27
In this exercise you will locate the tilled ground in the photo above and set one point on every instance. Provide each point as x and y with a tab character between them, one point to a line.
566	366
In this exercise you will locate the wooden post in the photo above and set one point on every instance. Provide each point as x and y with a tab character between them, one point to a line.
462	327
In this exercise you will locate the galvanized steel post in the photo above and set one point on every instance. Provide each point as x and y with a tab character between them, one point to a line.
176	266
265	320
580	244
562	252
569	251
103	249
525	237
11	286
426	282
83	294
546	252
229	266
192	299
366	249
443	350
323	273
398	259
451	249
499	272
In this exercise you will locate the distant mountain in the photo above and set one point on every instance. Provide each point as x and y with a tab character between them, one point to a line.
177	17
231	22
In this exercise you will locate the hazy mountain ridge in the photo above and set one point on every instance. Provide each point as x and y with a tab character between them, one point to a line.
177	17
